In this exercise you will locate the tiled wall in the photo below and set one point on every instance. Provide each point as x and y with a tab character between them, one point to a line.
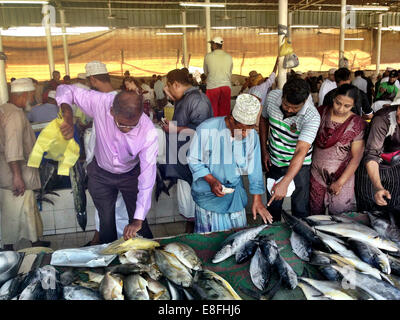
61	218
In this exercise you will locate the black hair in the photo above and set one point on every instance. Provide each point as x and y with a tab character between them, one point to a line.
296	90
342	74
348	90
179	75
359	73
128	104
102	77
67	77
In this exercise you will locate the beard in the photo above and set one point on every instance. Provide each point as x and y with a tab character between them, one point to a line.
28	107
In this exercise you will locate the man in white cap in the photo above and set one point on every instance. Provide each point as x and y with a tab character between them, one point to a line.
218	67
222	150
328	85
99	79
44	112
20	216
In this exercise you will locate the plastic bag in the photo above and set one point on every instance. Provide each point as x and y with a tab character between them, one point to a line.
83	257
290	61
285	49
51	140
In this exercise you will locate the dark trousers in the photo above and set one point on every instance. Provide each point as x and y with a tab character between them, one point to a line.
300	197
103	187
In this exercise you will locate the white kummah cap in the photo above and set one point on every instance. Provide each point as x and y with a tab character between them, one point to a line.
22	85
82	76
95	67
332	71
52	94
218	40
246	109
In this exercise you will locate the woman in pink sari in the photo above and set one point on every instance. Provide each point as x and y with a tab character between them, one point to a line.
338	150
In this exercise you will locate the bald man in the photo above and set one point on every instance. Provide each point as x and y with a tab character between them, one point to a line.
124	156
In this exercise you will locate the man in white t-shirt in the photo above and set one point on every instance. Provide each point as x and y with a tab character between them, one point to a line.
328	85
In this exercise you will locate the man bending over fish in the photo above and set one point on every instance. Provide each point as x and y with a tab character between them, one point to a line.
222	150
124	155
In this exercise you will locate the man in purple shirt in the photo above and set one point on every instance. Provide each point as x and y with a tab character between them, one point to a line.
125	155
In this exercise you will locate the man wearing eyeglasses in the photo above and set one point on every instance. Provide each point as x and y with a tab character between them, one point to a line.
124	155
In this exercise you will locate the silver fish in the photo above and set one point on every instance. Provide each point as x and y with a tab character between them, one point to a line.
289	277
300	246
185	254
10	289
378	289
135	256
158	291
111	287
329	289
311	293
211	286
80	293
371	255
173	269
335	245
385	228
234	242
359	232
174	292
135	288
260	270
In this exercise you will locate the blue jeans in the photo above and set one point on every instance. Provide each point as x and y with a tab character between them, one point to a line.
300	197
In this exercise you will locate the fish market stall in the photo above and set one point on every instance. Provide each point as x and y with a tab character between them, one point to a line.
260	262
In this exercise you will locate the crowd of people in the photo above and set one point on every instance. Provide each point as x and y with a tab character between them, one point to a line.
336	140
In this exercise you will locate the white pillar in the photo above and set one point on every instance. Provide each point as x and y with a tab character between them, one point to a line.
65	43
3	79
342	29
49	44
379	44
208	26
184	39
290	22
283	19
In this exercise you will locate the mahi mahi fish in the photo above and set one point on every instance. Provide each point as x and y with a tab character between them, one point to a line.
77	176
232	244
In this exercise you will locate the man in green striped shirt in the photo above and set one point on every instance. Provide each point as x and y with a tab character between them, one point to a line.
288	127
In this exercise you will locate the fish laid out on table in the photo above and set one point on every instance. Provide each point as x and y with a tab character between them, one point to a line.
147	271
343	250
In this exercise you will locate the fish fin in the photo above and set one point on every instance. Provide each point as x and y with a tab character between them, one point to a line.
386	278
270	293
